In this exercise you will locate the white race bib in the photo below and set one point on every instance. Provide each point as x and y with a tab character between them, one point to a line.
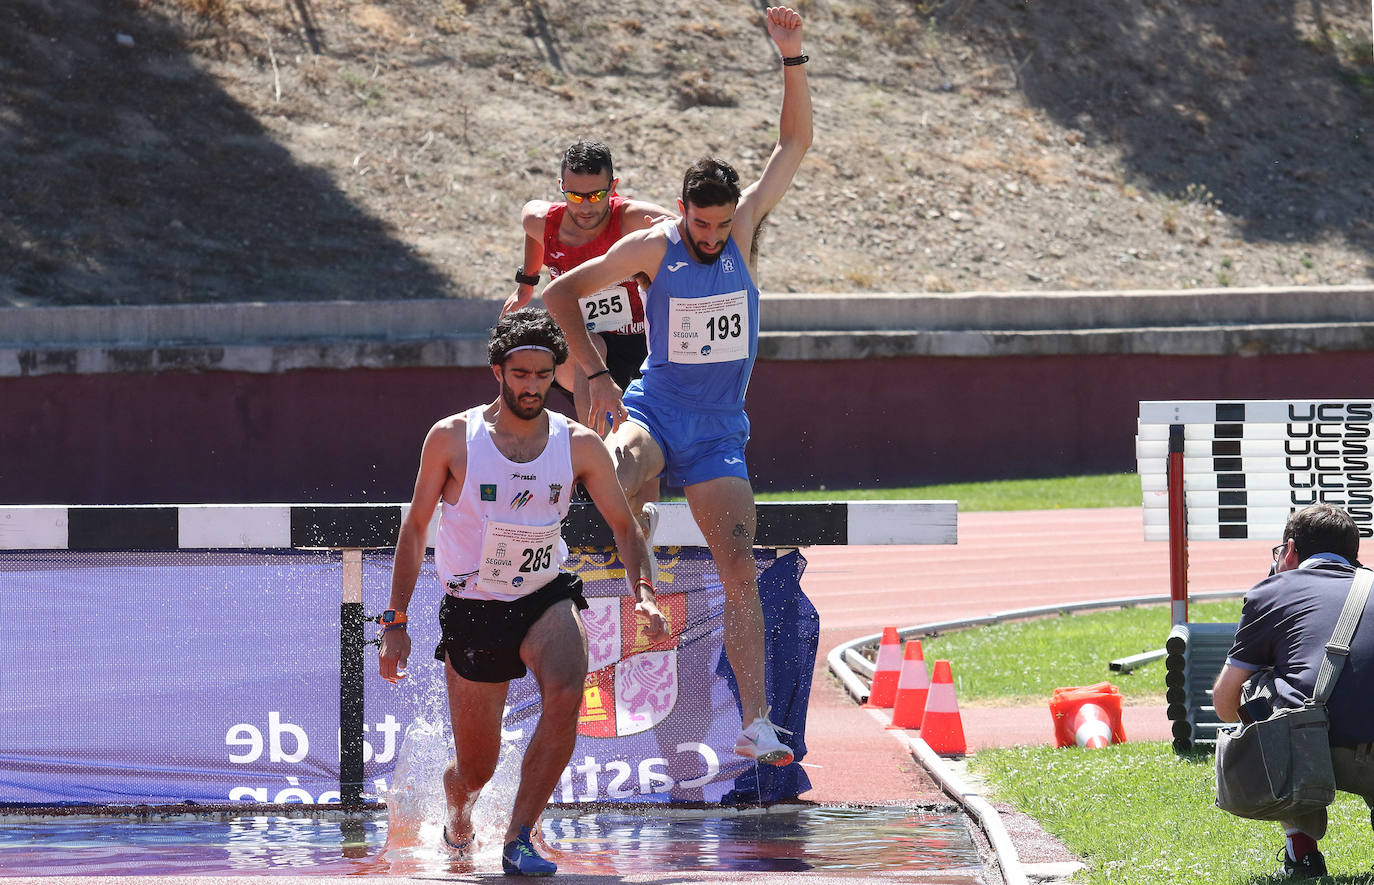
519	559
714	329
607	310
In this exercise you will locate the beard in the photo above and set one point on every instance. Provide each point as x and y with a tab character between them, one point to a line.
590	225
528	410
707	257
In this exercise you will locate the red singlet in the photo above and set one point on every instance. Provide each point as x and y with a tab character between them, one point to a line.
560	258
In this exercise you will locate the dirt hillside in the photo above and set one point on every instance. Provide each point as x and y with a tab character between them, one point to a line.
164	151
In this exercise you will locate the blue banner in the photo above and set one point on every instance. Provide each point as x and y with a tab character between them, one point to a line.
213	677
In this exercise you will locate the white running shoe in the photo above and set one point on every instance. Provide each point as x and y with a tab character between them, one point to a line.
651	521
760	742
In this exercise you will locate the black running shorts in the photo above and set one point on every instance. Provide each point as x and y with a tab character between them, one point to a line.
624	355
482	637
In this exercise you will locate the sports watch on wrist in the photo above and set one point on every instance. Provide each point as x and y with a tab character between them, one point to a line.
391	616
526	279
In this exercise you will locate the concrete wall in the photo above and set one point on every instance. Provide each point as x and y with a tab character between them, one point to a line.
112	418
354	435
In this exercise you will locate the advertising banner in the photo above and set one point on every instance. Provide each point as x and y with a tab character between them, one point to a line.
213	677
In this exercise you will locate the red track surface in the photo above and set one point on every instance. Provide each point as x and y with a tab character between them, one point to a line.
1003	561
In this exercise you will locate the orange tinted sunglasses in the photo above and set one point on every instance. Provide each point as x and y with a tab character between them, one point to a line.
589	196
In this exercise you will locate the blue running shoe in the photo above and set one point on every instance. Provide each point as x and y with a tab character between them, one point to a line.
520	859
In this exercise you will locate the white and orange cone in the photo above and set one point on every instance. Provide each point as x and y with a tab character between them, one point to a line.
887	671
941	727
912	688
1092	727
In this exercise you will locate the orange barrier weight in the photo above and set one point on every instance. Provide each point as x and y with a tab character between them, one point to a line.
887	671
912	688
1098	726
941	727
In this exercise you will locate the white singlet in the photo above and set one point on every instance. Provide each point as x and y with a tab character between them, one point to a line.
503	538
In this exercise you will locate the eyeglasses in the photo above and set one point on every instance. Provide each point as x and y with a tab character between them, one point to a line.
589	196
1279	550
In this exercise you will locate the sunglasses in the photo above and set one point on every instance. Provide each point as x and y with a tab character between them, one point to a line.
589	196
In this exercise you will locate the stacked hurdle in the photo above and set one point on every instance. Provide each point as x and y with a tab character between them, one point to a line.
1218	470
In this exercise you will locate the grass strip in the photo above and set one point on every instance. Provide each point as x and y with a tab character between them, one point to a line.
1140	813
1022	662
1100	490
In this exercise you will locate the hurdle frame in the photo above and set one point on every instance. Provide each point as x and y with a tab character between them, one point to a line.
1254	462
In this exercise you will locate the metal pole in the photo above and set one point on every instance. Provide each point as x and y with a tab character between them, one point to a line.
1178	528
351	681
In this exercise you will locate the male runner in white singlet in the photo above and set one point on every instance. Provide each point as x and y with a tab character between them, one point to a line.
685	416
502	474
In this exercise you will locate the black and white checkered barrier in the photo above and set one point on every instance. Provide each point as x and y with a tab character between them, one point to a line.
350	526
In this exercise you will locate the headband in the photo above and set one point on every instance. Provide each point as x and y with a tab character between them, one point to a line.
527	347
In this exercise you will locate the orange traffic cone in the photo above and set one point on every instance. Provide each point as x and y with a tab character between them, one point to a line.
941	727
1066	705
1092	727
912	689
887	672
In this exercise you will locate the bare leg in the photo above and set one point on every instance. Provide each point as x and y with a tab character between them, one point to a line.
475	709
638	462
555	650
724	510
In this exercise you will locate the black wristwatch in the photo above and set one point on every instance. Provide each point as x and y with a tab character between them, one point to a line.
526	279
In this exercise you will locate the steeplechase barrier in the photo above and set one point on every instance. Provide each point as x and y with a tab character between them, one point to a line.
217	653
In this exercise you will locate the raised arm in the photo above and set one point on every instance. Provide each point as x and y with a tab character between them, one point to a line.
794	127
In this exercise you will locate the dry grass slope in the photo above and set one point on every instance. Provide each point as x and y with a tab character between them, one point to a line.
163	151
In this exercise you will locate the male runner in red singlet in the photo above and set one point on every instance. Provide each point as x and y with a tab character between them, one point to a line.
561	236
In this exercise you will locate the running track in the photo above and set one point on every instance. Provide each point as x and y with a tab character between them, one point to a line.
1002	561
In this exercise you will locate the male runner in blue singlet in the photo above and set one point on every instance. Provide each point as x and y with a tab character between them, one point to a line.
686	415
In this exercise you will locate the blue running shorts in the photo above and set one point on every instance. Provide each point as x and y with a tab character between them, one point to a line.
697	446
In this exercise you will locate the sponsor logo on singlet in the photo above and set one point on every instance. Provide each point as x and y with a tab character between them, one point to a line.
555	492
521	499
488	492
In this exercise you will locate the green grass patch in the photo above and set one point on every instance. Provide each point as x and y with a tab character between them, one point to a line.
1103	490
1022	662
1139	813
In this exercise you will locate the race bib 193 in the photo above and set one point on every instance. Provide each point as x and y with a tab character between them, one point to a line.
714	329
519	559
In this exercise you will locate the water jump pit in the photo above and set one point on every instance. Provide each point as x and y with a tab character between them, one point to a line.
934	844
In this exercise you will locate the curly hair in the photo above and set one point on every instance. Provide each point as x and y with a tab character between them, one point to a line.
526	327
710	182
